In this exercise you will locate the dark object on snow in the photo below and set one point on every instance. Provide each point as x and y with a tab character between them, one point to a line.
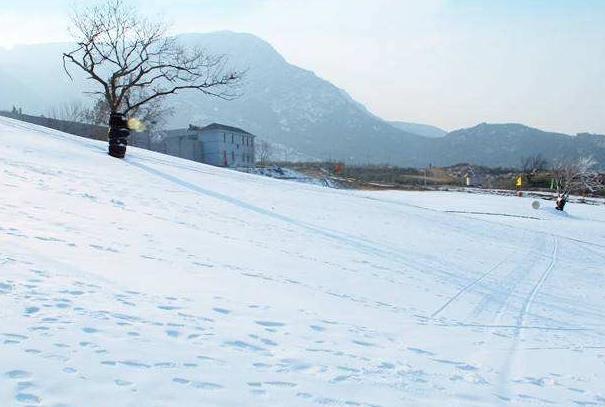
561	201
118	135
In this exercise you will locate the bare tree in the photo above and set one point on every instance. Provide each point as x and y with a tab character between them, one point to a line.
264	152
135	63
153	115
74	111
533	164
98	113
575	176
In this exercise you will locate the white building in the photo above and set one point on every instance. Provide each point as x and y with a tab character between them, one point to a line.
215	144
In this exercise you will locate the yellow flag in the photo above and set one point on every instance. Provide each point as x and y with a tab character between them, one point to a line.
519	182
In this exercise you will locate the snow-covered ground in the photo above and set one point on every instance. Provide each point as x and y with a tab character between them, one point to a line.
155	281
285	174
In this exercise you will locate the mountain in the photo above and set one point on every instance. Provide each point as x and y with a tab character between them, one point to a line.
38	72
294	109
13	91
506	144
164	282
424	130
285	104
279	102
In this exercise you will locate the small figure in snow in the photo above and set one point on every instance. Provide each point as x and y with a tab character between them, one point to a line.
561	200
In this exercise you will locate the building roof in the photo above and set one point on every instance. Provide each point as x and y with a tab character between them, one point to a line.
218	126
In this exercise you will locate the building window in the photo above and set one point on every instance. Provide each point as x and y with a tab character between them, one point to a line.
232	140
232	156
224	137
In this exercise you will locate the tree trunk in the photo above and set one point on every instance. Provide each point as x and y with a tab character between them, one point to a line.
118	135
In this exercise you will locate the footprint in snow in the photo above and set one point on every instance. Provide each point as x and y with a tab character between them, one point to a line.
134	364
27	398
165	365
31	310
173	333
72	292
122	383
244	346
206	385
13	338
364	343
169	307
421	351
466	367
281	384
270	324
18	374
386	365
21	386
89	330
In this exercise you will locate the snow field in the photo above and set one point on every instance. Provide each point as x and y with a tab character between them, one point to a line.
157	281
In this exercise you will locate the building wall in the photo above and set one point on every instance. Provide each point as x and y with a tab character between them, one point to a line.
184	144
222	148
226	148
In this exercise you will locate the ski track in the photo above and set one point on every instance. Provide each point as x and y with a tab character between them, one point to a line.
465	288
359	244
506	371
507	215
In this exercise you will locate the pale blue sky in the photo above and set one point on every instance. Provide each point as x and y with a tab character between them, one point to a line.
452	63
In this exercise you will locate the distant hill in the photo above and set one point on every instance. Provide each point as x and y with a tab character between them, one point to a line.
506	144
424	130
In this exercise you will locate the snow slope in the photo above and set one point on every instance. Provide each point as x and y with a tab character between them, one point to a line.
156	281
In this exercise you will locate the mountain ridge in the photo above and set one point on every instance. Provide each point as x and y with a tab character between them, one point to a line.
421	129
293	107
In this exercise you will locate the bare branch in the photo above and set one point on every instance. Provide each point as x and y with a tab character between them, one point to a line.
136	63
576	176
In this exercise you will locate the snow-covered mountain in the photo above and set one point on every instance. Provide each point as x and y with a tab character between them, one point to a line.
155	281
